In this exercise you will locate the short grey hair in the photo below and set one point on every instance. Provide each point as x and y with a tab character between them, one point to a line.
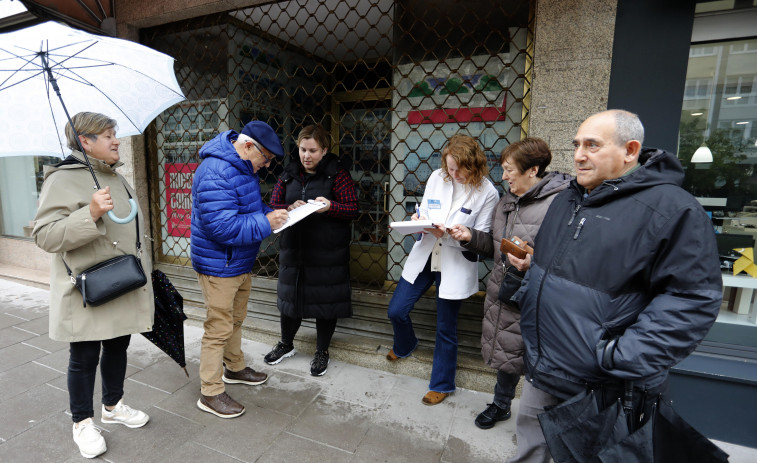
627	127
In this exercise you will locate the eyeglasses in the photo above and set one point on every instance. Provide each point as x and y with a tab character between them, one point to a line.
260	150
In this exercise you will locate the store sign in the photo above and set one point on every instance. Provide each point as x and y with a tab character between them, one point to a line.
465	109
178	183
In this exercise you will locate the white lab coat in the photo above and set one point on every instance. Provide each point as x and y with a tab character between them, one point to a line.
459	277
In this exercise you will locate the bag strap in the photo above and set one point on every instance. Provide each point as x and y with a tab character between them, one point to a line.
138	243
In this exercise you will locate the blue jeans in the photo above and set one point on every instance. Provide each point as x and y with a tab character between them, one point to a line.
445	350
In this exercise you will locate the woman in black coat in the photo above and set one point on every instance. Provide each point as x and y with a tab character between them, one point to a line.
314	255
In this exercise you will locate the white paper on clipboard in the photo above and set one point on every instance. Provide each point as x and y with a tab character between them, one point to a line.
295	215
411	226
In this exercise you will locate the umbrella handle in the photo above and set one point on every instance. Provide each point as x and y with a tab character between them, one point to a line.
129	217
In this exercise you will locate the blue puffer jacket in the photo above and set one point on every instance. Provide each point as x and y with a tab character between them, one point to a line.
228	213
634	261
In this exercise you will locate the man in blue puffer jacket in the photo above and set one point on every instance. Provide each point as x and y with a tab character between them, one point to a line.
625	280
229	220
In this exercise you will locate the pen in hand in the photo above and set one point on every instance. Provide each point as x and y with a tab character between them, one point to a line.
417	211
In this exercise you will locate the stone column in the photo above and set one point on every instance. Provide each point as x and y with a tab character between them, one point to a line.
573	42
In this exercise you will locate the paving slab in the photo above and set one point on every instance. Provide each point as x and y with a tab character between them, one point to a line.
11	335
49	441
192	451
248	437
18	354
396	445
46	344
162	435
24	377
284	393
38	326
290	448
334	422
23	411
164	375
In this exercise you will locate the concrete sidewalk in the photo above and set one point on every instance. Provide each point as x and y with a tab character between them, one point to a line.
352	414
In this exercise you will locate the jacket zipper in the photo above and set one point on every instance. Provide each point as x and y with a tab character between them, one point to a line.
538	326
573	216
579	227
556	258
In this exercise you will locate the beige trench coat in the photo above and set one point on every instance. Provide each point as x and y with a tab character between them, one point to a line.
64	227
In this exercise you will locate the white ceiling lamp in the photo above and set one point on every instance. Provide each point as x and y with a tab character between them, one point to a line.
702	154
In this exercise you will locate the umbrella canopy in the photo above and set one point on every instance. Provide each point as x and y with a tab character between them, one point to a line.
168	330
124	80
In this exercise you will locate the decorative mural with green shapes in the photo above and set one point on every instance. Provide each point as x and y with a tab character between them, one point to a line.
421	88
489	83
456	85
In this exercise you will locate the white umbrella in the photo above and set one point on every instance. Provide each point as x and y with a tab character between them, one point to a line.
124	80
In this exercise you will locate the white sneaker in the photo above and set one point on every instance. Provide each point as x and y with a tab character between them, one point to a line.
87	437
124	414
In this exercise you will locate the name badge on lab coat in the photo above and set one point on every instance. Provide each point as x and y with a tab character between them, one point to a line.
434	204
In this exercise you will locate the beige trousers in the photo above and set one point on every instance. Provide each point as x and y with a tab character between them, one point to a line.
226	305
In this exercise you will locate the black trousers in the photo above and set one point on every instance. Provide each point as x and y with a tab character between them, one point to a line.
82	368
324	328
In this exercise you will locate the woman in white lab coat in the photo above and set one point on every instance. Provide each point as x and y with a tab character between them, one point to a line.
458	193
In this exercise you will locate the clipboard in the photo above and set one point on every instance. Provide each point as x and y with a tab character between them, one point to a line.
409	227
295	215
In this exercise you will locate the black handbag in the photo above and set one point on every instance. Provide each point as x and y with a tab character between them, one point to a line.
512	277
112	278
510	283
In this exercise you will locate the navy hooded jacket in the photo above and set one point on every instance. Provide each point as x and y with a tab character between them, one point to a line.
635	261
228	213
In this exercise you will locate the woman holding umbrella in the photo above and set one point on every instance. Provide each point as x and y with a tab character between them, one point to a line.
70	223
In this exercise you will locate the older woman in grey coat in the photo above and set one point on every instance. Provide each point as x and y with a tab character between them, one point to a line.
519	213
71	224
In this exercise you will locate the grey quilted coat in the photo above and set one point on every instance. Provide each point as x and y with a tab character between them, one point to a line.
501	342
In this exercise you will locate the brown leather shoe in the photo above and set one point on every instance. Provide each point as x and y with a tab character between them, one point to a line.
220	405
247	376
433	397
391	356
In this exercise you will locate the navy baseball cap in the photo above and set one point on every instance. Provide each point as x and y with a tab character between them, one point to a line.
265	136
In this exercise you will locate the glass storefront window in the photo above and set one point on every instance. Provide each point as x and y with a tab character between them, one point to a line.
719	112
20	184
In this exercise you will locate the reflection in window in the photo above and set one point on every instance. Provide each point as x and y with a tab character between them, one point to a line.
719	109
21	179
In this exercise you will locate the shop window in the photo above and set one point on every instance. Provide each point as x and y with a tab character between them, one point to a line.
21	180
719	112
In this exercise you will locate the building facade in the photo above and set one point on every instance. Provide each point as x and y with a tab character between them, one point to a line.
391	80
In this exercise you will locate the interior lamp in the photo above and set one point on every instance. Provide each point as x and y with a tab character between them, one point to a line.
702	154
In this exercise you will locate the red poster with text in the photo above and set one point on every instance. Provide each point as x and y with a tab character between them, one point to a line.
178	181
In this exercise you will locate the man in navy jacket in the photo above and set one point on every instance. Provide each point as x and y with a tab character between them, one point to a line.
229	220
625	281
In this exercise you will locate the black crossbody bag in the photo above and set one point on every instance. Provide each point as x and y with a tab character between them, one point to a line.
512	277
112	278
